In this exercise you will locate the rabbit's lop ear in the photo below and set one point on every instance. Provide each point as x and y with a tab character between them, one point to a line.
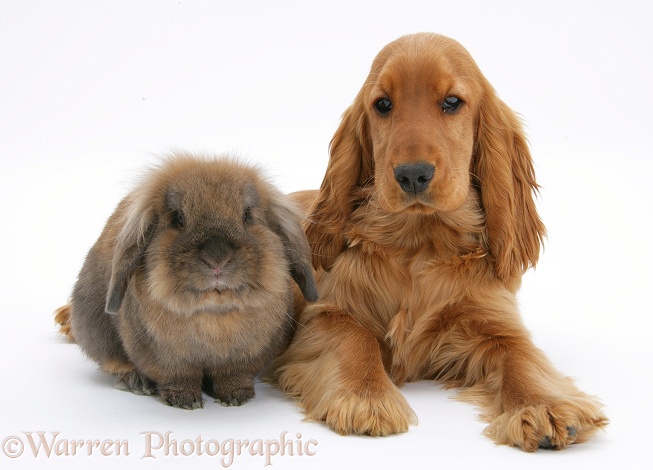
285	221
135	226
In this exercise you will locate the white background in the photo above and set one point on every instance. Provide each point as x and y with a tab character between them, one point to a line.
92	91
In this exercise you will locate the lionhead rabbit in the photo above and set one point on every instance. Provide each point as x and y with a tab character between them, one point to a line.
190	282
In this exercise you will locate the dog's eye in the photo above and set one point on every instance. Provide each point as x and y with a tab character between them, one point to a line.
384	105
177	219
451	104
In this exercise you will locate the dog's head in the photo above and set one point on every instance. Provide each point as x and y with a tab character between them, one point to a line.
424	129
419	105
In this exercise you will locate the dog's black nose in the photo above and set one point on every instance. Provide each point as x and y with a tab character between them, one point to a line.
414	177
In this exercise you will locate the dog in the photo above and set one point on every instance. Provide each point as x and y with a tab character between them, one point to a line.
420	232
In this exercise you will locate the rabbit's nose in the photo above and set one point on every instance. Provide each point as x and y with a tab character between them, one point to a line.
216	252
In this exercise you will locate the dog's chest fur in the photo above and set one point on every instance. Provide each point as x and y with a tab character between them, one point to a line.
411	263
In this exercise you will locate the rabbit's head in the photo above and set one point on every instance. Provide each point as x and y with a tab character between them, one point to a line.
206	234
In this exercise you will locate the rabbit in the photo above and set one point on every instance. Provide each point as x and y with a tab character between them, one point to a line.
189	286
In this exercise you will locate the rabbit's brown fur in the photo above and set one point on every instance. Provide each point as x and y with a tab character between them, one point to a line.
190	282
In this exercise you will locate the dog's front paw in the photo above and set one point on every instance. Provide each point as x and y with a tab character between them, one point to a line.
555	424
378	414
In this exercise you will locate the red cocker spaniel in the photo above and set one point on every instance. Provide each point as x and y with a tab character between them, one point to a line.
421	231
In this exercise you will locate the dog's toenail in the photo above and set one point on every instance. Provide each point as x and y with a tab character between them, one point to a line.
571	431
546	444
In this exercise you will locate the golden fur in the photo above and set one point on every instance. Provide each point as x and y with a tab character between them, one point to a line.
421	284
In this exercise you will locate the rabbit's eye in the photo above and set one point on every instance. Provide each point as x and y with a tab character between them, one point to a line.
177	219
247	216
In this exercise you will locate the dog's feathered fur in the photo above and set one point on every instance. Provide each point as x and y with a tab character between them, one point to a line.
420	284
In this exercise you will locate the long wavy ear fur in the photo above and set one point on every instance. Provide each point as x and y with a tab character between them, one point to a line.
137	222
350	167
286	222
503	168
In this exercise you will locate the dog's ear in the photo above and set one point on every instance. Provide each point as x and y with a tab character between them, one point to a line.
350	167
503	168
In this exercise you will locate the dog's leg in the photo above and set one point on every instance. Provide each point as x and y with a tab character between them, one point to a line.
533	405
486	350
334	367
